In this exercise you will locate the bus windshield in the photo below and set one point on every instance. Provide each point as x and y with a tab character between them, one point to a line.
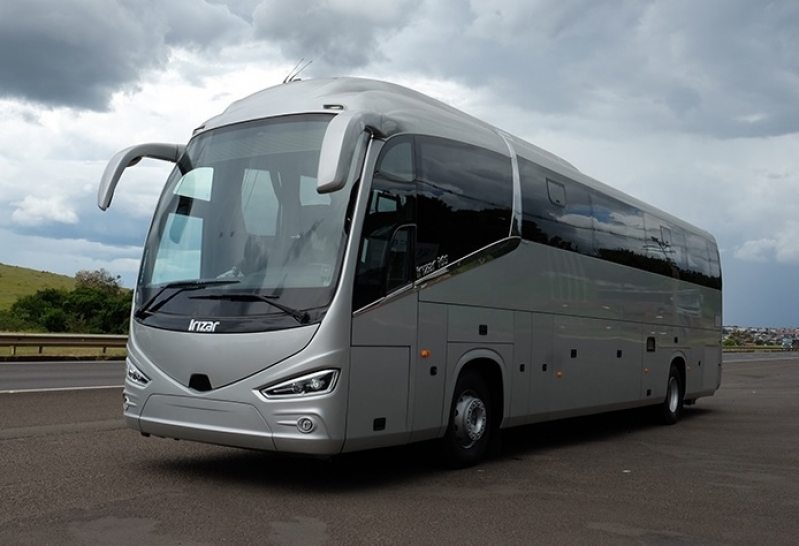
241	206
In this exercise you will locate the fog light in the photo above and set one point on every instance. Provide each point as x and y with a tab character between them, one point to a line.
305	425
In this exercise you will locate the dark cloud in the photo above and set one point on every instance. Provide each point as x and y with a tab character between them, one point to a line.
727	68
77	53
335	34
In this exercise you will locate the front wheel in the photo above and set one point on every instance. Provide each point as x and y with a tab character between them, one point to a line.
467	436
671	407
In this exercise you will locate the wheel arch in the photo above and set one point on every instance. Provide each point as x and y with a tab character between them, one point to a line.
489	365
679	361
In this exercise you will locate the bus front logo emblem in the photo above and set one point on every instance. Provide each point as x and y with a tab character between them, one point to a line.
203	325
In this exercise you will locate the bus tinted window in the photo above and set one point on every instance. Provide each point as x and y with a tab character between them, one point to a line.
574	218
386	247
715	265
618	231
659	249
697	257
464	199
555	211
678	247
563	213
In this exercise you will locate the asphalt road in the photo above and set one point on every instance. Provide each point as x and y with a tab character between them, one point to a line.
24	376
70	473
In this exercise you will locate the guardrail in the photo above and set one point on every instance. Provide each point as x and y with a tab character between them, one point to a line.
61	340
758	349
105	341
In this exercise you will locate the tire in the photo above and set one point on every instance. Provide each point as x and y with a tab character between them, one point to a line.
469	431
671	408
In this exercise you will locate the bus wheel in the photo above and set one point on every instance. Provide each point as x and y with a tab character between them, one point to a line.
671	408
469	429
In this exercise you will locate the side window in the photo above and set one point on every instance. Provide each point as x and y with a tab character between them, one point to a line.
697	259
535	201
555	211
576	218
659	249
396	162
563	213
618	231
465	200
259	204
678	247
715	265
196	184
179	252
385	255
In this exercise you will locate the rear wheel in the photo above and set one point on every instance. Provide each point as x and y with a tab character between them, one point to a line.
469	429
671	407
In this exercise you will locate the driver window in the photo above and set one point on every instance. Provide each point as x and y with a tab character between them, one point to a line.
388	235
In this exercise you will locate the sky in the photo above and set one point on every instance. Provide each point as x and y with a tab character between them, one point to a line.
690	105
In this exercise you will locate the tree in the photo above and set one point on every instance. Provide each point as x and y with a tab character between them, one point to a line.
99	279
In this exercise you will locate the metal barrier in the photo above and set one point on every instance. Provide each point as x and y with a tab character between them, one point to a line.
105	341
61	340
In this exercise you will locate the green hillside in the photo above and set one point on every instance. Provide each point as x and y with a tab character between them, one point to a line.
19	281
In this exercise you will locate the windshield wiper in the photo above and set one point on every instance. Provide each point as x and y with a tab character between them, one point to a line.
151	306
300	316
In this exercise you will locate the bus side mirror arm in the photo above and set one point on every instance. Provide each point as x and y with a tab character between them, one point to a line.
343	138
129	157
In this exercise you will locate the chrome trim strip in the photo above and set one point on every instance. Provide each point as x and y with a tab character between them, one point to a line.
478	257
516	223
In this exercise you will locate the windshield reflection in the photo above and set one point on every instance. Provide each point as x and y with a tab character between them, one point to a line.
242	205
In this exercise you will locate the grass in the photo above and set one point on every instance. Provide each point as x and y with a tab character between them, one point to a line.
19	281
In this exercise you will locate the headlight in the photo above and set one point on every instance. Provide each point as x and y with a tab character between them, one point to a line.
306	385
135	376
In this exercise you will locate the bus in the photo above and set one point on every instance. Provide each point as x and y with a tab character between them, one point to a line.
344	264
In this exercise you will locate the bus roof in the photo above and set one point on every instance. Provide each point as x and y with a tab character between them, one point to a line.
404	110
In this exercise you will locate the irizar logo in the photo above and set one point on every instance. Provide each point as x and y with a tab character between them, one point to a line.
203	325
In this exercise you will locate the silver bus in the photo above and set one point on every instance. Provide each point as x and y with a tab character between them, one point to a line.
343	264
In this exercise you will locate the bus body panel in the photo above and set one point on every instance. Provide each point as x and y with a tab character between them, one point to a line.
221	358
522	369
377	413
430	405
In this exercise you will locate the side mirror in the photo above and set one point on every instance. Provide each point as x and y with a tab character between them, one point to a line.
129	157
342	148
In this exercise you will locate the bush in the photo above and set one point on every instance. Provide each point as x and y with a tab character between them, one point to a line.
11	323
97	305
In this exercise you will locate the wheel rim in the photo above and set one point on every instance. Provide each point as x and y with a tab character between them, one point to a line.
470	420
674	395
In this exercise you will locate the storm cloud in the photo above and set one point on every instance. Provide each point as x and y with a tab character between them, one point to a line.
78	53
726	68
336	34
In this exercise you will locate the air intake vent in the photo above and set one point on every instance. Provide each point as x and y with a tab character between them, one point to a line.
200	382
